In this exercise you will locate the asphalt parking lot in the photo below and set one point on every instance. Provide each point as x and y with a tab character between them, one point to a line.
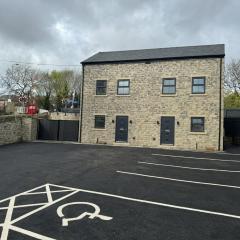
71	191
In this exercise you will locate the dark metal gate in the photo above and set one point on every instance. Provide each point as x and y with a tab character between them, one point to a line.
232	129
58	130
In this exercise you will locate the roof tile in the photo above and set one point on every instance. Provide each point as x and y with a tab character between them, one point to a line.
217	50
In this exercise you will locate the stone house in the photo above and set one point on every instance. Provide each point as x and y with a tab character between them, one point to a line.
166	98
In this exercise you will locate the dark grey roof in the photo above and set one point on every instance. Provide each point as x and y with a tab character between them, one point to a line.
217	50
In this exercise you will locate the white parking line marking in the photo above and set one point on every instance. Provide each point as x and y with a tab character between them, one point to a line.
159	204
226	153
179	180
43	207
9	223
29	233
36	193
199	158
23	206
28	191
8	218
200	169
49	195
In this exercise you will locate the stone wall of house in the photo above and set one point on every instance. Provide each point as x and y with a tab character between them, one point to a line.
17	128
146	104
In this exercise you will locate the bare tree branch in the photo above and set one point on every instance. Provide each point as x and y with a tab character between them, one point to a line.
19	80
232	78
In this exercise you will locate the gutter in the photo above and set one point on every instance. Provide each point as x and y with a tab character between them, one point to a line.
220	107
92	62
81	109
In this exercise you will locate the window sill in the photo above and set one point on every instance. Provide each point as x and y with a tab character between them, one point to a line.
198	133
198	94
117	95
100	95
168	95
99	129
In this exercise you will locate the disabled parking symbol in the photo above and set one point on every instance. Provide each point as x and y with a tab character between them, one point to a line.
95	214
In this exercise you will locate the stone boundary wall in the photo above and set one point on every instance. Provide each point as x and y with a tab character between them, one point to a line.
63	116
17	128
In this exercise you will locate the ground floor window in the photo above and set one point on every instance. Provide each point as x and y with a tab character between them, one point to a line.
99	121
197	124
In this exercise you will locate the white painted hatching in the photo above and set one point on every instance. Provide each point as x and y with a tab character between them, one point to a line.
8	224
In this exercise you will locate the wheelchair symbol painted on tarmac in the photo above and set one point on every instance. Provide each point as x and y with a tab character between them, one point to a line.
95	214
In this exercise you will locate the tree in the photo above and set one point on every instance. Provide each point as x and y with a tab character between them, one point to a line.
232	85
44	90
75	83
3	92
232	101
232	77
75	87
20	80
55	87
61	86
44	87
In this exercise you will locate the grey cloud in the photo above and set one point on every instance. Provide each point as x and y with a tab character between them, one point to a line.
67	31
24	21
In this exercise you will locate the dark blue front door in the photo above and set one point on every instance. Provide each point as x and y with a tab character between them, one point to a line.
167	130
121	134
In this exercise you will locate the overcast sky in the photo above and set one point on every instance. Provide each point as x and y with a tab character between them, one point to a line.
68	31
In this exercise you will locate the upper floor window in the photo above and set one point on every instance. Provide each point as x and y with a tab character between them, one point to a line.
198	85
169	86
101	87
197	124
99	121
123	87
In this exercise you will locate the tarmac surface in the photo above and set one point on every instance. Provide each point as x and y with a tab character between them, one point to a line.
73	191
